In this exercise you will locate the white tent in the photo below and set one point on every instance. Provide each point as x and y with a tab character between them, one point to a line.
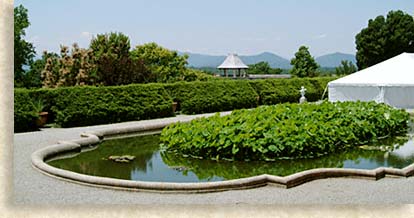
390	82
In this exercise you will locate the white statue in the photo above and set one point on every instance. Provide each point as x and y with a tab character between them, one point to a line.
302	91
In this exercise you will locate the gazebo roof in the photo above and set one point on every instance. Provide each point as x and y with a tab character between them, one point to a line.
233	62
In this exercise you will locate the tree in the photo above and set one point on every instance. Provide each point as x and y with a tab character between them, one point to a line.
70	69
263	67
346	67
304	65
115	65
195	75
384	38
166	65
32	78
23	51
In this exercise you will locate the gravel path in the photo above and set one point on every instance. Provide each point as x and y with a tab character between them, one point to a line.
32	187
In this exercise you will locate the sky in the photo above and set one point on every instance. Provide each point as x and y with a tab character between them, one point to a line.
215	27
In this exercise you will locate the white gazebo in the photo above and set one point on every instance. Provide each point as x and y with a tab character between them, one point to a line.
390	82
234	63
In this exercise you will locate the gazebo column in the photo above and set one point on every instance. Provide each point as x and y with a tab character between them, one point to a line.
234	73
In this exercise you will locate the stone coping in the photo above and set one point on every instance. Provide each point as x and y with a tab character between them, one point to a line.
91	138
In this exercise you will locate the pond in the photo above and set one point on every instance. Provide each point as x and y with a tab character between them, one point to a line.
150	164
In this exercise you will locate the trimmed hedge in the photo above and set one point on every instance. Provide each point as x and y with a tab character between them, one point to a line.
212	96
24	111
274	91
82	106
284	131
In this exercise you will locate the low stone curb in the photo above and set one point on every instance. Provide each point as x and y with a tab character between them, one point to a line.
92	138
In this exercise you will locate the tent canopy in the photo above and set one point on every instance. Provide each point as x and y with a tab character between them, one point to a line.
391	82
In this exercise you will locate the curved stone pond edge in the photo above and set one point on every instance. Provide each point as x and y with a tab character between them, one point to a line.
91	138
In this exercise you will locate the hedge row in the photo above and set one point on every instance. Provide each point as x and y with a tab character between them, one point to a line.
81	106
100	105
287	90
212	96
24	112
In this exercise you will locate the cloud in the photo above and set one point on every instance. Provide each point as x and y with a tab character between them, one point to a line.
86	35
321	36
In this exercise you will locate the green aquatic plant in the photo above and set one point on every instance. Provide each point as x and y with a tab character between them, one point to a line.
285	131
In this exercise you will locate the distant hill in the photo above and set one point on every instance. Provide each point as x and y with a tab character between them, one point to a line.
334	60
201	60
275	61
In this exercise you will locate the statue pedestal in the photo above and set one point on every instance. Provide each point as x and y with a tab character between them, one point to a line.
302	99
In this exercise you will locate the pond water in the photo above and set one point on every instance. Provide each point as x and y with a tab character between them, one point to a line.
152	165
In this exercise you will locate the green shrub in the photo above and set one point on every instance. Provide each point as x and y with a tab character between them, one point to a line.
212	96
48	97
274	91
284	131
24	111
81	106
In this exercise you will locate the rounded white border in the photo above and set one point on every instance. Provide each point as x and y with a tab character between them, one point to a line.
91	138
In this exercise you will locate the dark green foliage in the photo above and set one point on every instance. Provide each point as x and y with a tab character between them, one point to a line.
24	51
274	91
190	75
303	64
346	67
115	65
77	106
32	78
212	96
263	67
285	131
83	106
384	38
24	111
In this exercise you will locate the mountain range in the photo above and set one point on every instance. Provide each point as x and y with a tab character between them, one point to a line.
275	61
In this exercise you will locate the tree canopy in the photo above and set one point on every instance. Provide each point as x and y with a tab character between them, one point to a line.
346	67
115	65
24	51
263	67
32	78
74	67
384	38
166	65
304	65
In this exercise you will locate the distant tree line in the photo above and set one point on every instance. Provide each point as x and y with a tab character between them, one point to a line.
263	67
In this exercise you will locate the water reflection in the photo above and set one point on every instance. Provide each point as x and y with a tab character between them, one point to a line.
95	162
152	165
